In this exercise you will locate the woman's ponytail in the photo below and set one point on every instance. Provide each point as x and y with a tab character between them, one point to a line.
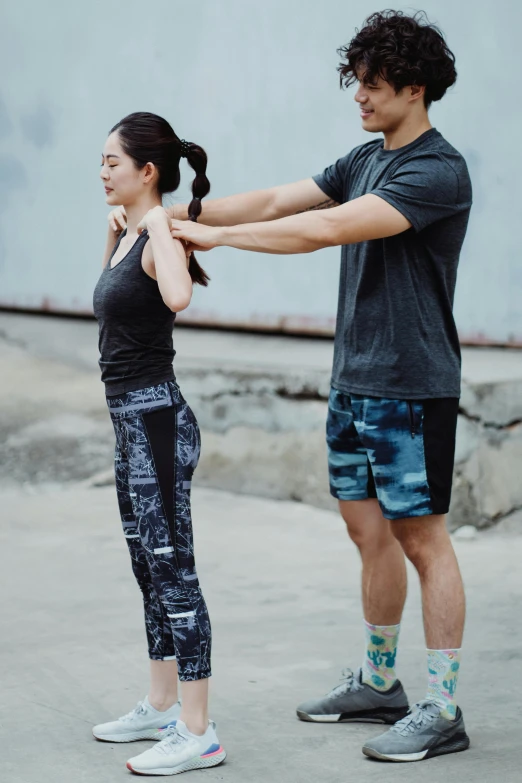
148	138
197	158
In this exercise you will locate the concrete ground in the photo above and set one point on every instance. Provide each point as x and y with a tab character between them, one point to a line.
281	581
282	586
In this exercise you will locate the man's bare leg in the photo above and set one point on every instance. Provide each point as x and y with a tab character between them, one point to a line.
383	597
383	565
426	542
436	725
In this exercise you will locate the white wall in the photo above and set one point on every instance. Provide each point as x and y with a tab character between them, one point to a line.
255	84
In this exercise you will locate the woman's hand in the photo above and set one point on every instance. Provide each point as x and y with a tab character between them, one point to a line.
155	217
117	220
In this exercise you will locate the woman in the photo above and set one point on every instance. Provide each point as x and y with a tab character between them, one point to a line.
146	279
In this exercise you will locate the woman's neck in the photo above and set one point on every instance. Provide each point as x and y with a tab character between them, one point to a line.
137	210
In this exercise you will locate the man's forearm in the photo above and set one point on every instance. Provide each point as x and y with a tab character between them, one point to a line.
259	206
361	220
366	218
296	234
253	207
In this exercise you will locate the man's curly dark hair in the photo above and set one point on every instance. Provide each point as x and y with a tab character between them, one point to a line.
404	50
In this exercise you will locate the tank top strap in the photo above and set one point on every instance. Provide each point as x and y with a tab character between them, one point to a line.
114	249
135	251
139	244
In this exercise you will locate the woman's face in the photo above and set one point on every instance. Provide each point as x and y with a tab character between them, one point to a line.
123	182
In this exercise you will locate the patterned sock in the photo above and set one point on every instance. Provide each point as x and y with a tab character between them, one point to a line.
443	672
378	669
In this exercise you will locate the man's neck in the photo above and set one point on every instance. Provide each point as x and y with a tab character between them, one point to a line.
406	133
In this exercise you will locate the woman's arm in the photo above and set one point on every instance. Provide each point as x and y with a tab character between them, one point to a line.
112	238
169	261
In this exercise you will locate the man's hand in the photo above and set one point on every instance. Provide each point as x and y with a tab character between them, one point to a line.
195	236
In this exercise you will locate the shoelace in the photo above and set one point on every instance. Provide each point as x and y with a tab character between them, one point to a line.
350	684
139	709
170	738
420	717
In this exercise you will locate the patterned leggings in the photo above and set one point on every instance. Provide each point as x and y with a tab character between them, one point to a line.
157	450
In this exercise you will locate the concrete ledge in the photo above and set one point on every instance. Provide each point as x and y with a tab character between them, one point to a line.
261	403
264	434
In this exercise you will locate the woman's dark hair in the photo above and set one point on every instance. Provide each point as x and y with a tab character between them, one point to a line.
147	138
403	50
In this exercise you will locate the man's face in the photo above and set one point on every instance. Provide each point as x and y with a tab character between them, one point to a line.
382	109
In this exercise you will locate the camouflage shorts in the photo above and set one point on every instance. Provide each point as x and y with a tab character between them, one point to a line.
398	451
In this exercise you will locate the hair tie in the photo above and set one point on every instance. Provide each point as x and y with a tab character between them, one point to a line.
185	148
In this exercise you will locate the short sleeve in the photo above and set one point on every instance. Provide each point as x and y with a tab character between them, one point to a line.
333	179
425	189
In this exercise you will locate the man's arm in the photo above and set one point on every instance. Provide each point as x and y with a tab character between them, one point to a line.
259	205
364	218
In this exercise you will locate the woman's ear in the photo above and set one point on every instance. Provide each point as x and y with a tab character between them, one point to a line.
149	171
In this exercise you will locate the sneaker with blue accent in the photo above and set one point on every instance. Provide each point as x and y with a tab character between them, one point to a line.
180	751
142	723
422	734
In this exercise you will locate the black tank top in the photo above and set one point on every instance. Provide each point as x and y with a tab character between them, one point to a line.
136	325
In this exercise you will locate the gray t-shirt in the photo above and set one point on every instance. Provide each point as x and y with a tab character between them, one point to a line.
395	335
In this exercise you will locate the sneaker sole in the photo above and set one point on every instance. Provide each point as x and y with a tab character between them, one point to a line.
201	762
149	734
367	716
454	745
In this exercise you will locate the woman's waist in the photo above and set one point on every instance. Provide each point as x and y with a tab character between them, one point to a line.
145	399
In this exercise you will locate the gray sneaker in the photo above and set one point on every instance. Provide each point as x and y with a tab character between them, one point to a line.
420	735
356	702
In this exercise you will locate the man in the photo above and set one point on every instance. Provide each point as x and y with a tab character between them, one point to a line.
400	209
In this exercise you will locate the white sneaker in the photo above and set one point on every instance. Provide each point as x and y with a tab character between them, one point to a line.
180	751
143	722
